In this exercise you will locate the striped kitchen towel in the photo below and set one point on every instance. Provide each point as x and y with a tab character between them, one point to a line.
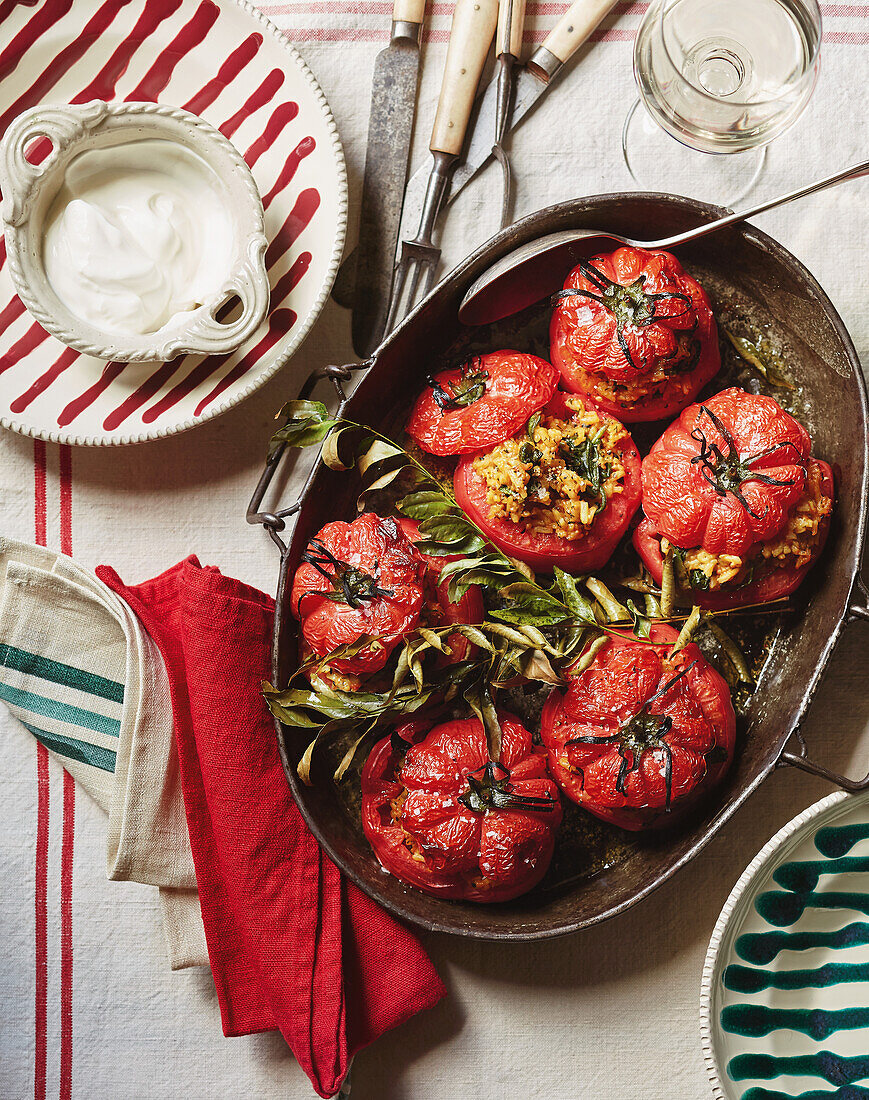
79	672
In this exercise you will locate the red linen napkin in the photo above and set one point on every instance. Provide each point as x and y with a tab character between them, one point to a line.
292	945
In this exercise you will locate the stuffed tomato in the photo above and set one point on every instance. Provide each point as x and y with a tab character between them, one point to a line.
732	491
640	736
355	580
473	407
444	818
560	492
634	332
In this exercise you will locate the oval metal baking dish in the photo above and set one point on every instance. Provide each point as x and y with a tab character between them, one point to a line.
752	280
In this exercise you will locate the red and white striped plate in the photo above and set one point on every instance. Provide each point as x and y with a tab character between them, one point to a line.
221	59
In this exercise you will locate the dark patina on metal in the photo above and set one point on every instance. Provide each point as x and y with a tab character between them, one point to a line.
753	282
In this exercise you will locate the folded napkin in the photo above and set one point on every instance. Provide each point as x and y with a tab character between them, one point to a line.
292	945
80	673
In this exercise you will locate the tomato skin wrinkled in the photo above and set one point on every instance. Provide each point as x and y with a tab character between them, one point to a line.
684	507
542	552
623	676
584	335
379	548
489	856
518	384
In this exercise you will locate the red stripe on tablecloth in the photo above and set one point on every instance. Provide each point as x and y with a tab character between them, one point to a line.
40	521
67	841
41	920
227	72
437	36
191	35
535	7
65	499
40	1013
846	38
67	845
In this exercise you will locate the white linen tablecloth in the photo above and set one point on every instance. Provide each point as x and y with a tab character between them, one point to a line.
87	1001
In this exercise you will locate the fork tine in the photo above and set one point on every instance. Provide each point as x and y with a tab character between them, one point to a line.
398	284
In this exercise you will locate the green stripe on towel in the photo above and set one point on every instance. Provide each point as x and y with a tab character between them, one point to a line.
58	673
61	712
83	751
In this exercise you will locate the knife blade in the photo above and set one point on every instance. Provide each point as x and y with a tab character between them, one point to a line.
532	82
390	129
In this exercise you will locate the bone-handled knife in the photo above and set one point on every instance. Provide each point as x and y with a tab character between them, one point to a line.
547	61
532	81
390	129
471	34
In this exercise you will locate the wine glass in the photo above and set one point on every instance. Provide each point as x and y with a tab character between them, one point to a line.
721	77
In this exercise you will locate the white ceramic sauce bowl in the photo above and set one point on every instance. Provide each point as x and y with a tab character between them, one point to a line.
28	193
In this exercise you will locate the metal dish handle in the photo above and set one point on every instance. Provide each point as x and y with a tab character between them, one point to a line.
275	522
858	608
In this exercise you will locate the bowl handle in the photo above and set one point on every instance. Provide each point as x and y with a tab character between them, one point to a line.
858	608
213	333
274	522
60	125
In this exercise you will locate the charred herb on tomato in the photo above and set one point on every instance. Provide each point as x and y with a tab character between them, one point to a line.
350	584
629	305
641	733
726	472
467	389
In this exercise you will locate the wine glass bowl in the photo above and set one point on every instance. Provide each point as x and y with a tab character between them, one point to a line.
719	76
727	75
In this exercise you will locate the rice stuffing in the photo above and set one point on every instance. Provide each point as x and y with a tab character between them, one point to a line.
557	475
794	545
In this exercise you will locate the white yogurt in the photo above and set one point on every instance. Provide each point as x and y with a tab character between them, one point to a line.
138	235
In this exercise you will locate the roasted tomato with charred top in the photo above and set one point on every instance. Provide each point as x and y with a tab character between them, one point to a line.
636	333
560	492
639	736
358	579
731	486
444	818
469	408
438	608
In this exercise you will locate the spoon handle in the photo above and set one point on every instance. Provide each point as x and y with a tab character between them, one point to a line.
853	172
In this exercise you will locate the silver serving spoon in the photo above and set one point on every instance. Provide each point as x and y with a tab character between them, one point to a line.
538	268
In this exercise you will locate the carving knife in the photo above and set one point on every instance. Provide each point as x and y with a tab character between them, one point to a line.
542	68
390	129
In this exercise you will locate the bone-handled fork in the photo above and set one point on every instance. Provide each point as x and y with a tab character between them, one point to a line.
471	34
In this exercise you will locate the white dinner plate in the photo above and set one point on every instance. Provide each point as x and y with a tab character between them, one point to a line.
223	60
